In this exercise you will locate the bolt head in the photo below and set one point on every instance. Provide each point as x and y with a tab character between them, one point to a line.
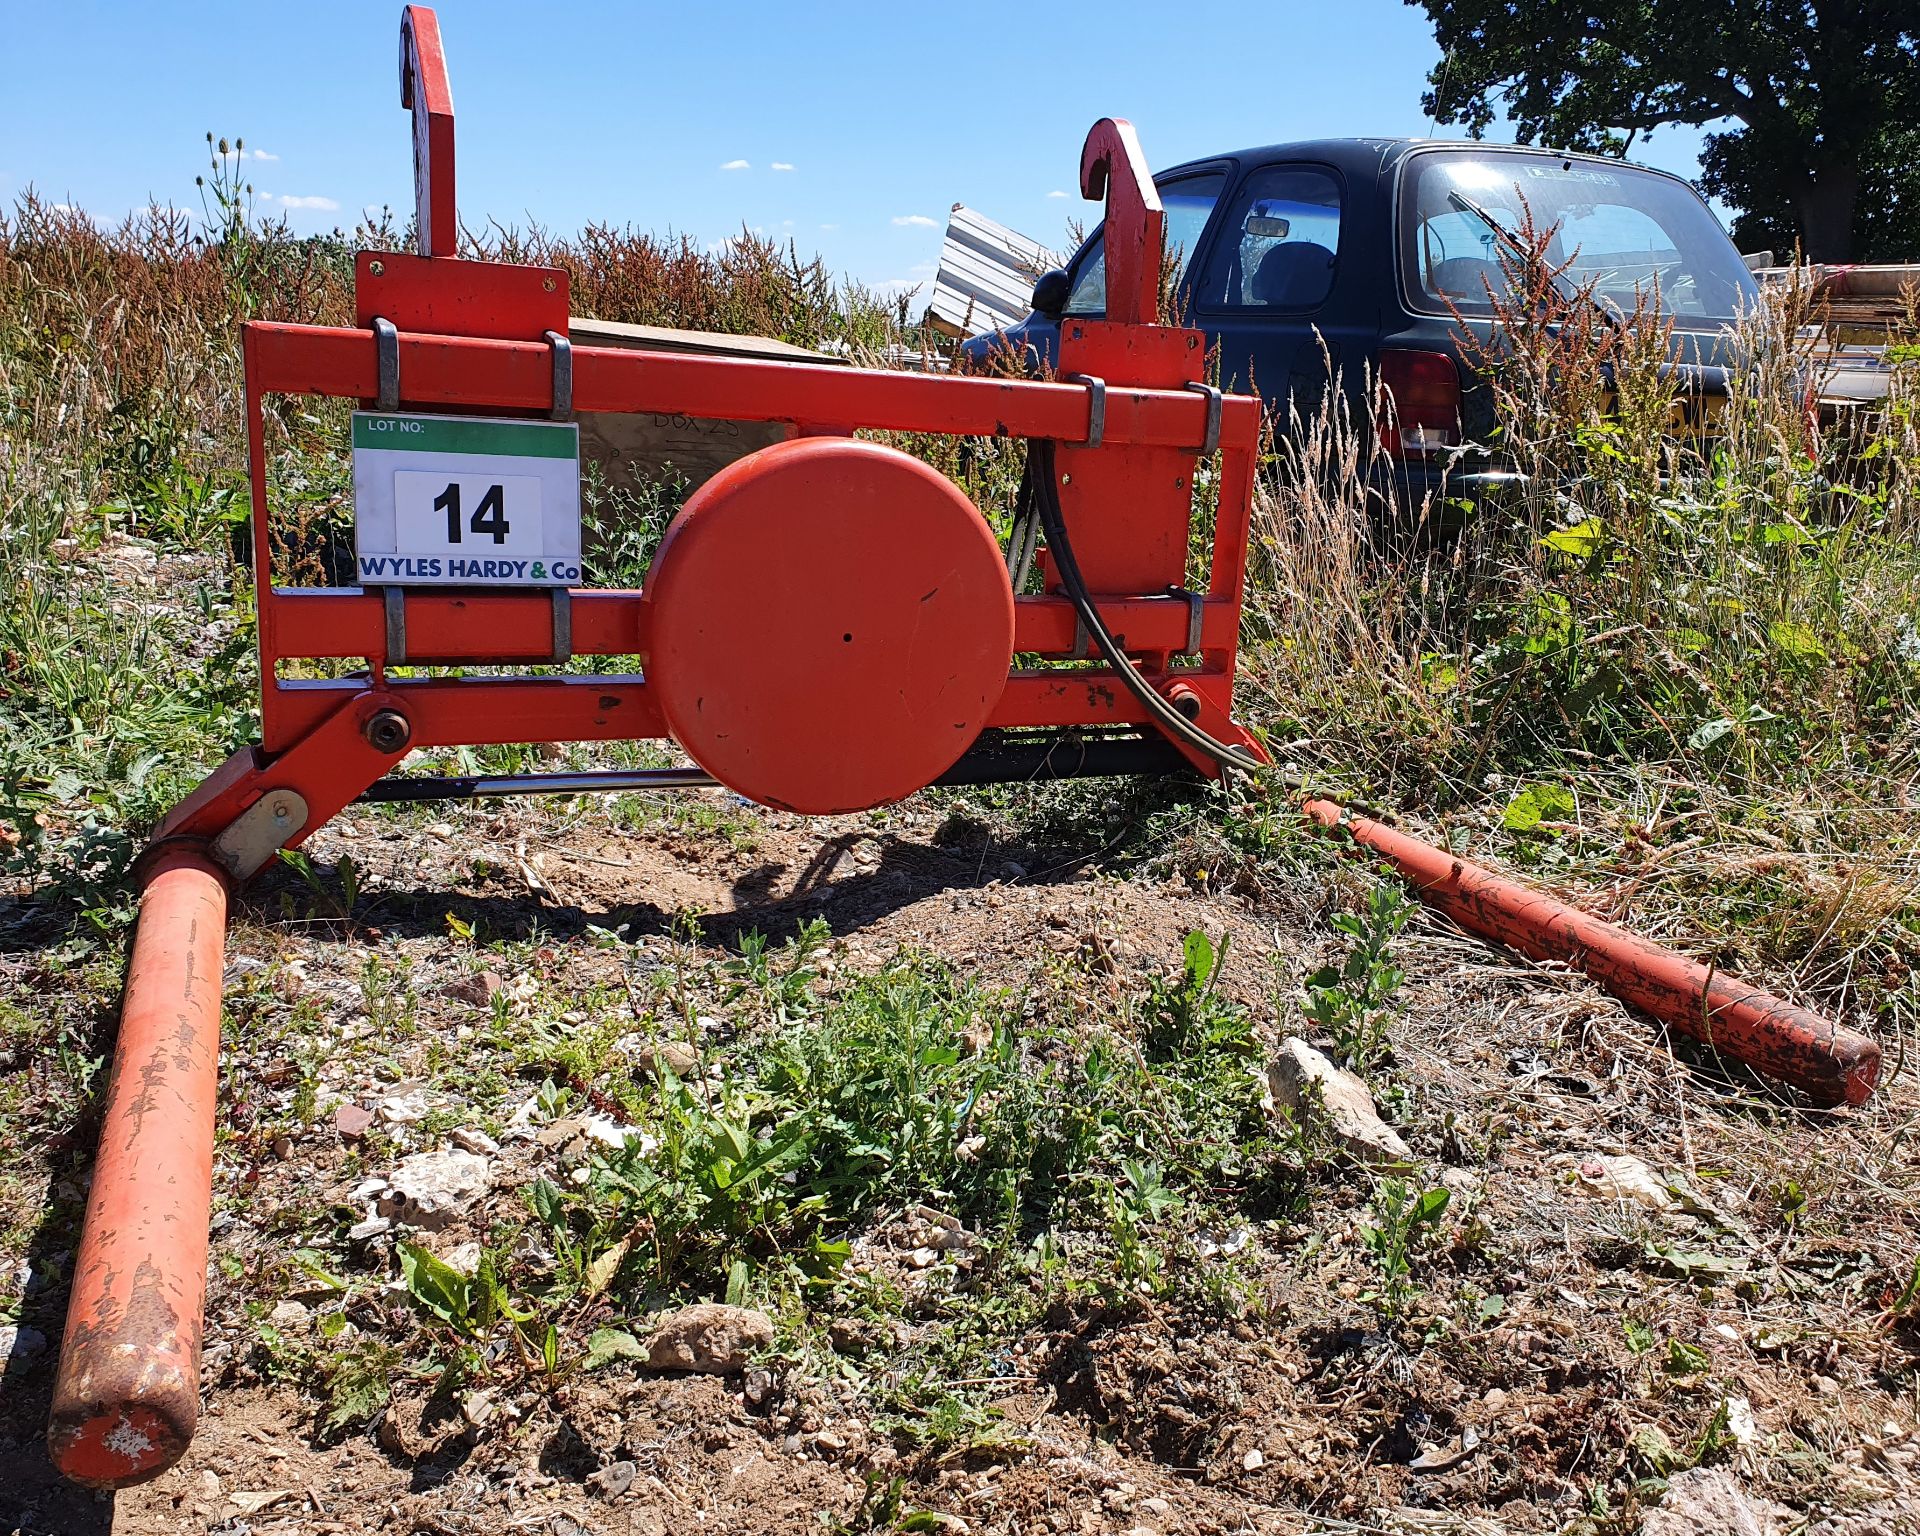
388	731
376	268
549	284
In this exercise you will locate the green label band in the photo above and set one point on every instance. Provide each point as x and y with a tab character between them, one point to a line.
451	434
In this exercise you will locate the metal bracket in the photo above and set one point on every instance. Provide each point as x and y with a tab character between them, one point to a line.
1211	443
1083	646
395	603
1196	612
1082	640
562	376
260	831
561	598
386	348
562	627
1096	406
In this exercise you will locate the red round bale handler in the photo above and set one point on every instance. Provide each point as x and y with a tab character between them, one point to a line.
829	625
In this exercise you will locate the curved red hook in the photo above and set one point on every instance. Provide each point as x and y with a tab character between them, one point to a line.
425	91
1112	166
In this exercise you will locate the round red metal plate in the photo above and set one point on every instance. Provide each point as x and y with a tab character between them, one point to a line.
830	625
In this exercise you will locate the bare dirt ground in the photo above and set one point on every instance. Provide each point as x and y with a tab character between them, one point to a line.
1569	1347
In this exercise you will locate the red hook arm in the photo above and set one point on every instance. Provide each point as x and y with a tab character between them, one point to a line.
1112	166
425	92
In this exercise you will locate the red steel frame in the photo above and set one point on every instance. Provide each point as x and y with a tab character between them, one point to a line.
476	336
457	371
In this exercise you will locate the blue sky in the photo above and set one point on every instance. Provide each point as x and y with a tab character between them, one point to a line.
851	128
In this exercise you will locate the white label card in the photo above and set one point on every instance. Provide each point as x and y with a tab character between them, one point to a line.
465	501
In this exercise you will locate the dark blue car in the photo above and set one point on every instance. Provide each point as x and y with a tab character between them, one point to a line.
1358	259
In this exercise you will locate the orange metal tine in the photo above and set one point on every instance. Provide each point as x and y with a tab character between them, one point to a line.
127	1395
1830	1063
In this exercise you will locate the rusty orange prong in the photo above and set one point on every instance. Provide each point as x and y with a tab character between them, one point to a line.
425	92
1827	1061
1113	166
127	1395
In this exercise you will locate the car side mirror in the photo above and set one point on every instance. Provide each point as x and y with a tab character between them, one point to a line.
1050	293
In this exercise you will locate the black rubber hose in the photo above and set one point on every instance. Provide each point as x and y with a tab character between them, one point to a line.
1041	471
1024	536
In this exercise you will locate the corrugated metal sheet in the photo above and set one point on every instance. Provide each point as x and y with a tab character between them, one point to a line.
986	275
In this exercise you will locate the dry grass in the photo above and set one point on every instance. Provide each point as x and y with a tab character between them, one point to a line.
1677	676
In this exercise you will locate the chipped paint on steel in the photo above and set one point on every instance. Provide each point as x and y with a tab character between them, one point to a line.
127	1395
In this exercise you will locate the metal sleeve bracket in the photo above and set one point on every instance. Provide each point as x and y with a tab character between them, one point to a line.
1210	444
1096	407
386	348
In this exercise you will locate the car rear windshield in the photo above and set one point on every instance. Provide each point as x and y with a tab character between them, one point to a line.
1633	235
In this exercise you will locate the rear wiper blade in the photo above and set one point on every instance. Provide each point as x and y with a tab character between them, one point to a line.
1533	258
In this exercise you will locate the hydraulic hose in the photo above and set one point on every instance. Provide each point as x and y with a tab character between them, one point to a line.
1024	537
1046	483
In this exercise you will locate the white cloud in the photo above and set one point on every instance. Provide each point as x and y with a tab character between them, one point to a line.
731	242
318	204
829	226
894	287
736	165
1057	194
248	154
915	221
782	165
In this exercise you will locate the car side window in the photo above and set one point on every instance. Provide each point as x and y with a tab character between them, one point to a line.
1279	243
1189	204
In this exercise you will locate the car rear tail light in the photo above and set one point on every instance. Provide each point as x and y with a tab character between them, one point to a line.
1419	407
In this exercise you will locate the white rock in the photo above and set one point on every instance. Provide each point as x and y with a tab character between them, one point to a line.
1624	1178
611	1133
1253	1461
1312	1087
19	1344
408	1108
1710	1502
465	1258
520	1125
288	1316
433	1190
467	1139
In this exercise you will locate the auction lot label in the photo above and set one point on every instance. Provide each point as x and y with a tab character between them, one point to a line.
465	501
